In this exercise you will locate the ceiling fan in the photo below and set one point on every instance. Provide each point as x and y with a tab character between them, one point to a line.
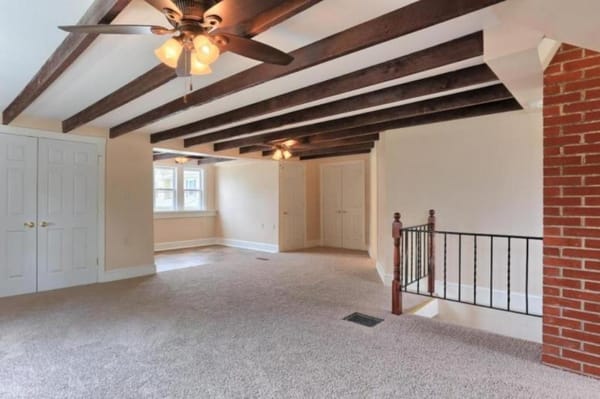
283	150
198	34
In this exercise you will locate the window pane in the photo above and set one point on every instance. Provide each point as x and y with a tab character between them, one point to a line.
164	178
164	200
191	180
192	200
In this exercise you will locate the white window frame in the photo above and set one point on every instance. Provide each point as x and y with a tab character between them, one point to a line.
180	212
154	189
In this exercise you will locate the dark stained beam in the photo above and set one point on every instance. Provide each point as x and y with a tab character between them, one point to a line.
445	103
336	150
341	134
370	138
162	74
444	54
100	12
334	154
254	148
460	79
211	160
411	18
161	156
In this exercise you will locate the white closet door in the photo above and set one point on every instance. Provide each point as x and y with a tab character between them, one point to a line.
18	159
293	203
353	206
332	205
67	214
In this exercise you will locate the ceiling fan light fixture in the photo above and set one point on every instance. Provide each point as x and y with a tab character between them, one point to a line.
287	154
278	155
169	52
206	51
181	160
198	67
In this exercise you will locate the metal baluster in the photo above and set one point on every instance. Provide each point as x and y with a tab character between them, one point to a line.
508	278
491	271
418	261
474	269
527	276
459	264
445	256
405	253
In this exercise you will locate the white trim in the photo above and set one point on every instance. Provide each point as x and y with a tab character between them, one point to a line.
169	246
100	143
386	278
125	273
252	245
184	214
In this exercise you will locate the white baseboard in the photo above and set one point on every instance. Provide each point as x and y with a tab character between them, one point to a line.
169	246
386	278
126	273
312	243
252	245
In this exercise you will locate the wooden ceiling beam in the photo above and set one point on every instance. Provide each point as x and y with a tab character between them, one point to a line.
100	12
447	53
336	150
411	18
460	79
445	103
370	138
334	154
162	74
211	160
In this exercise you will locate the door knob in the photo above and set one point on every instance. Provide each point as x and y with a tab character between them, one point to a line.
29	225
44	224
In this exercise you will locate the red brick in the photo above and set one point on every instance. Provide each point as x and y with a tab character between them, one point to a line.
593	286
551	211
592	138
582	191
565	343
562	99
550	330
581	211
582	357
562	302
562	262
592	181
551	291
593	329
562	119
551	151
592	159
560	362
552	171
584	63
574	232
582	128
591	348
591	370
580	336
580	170
551	231
592	94
562	221
581	253
592	243
563	160
592	265
582	106
592	201
583	316
562	282
568	55
558	201
592	307
583	295
581	85
592	73
548	349
582	148
562	241
592	116
563	78
550	311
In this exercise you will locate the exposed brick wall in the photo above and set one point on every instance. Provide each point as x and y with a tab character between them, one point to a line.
572	211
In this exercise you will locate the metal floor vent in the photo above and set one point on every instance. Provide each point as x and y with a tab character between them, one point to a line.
264	259
363	319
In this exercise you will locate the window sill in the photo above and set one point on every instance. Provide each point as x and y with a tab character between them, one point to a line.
183	214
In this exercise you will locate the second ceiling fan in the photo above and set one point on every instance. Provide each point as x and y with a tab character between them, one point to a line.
198	30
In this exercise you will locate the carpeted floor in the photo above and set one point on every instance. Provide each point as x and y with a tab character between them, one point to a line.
242	327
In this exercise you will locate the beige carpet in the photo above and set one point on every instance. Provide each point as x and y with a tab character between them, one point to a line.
238	327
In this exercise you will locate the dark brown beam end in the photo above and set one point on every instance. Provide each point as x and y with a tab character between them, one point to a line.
444	54
337	150
366	139
100	12
411	18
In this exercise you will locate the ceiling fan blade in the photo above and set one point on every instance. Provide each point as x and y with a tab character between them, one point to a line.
169	9
252	49
184	67
234	12
117	29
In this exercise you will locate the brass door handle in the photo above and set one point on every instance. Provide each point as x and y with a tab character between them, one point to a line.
44	224
29	225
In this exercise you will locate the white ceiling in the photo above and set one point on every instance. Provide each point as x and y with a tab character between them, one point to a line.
112	61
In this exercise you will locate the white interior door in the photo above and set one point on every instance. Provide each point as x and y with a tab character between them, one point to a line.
331	186
292	206
18	161
67	214
353	206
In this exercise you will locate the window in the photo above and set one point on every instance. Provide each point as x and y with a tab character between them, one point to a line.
165	189
178	189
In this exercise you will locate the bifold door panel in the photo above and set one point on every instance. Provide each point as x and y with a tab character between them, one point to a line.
48	214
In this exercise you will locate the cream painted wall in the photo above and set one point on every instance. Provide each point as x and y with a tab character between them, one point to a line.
313	193
248	201
128	195
480	175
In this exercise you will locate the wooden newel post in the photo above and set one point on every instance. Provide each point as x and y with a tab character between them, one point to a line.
396	283
431	252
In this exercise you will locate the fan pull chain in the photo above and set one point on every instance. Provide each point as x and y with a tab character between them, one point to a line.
188	85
